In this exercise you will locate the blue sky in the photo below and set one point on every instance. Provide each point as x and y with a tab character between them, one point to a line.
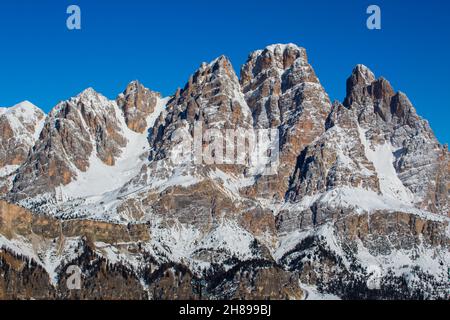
162	42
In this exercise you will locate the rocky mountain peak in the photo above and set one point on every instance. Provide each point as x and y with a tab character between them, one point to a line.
76	131
362	82
20	127
212	96
137	103
88	92
374	99
24	111
390	121
23	104
357	185
283	92
221	61
361	75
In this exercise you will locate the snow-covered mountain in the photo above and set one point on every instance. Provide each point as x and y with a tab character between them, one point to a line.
360	195
20	127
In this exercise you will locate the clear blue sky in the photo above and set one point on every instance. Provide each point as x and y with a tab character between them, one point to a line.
162	42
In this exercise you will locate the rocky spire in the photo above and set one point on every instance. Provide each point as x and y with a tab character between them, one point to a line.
20	127
211	96
137	103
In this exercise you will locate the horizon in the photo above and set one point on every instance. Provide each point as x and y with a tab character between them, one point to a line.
118	43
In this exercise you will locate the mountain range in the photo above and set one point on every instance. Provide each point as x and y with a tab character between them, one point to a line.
358	207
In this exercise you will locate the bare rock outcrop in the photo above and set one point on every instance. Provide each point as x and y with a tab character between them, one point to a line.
389	118
137	103
75	131
283	92
140	195
20	127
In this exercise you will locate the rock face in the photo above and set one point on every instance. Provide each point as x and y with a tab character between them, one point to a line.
75	131
139	193
137	103
20	127
388	118
322	167
283	92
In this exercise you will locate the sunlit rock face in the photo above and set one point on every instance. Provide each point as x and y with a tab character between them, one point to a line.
283	92
389	120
